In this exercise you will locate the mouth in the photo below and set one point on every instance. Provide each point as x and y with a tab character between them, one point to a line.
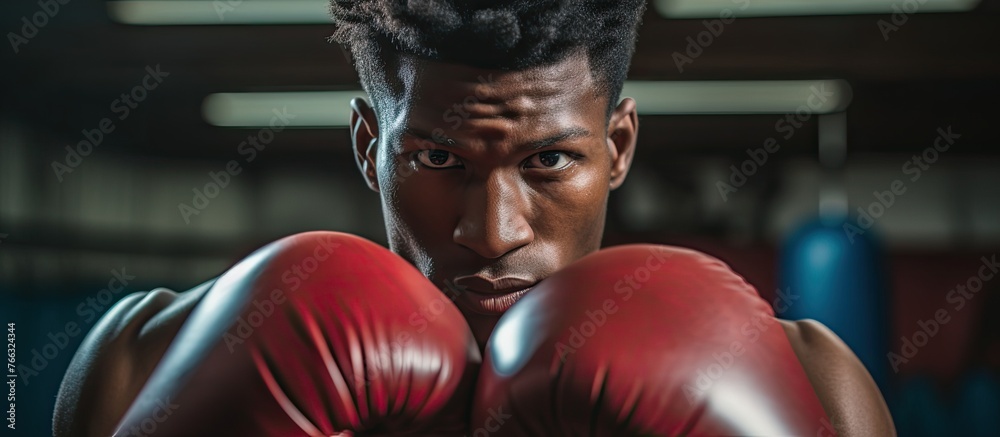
489	304
491	297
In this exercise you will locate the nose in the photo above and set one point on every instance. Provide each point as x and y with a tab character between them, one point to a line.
493	221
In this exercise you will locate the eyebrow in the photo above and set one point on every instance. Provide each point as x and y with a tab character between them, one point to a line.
567	134
573	132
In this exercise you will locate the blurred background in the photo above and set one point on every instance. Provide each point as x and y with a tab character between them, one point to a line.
841	155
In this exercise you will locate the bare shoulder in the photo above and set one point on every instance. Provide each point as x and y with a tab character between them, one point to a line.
116	358
845	388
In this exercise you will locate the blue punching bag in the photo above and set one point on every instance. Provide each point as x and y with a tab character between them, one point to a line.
978	405
920	411
839	280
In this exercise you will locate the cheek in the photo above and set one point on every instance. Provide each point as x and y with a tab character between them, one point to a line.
573	211
397	204
425	208
418	206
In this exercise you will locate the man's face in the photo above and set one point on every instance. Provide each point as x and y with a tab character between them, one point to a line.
493	180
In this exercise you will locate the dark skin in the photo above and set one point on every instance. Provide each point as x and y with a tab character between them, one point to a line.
525	172
522	186
493	210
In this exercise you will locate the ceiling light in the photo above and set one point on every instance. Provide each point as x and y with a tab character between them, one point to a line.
774	8
331	108
219	12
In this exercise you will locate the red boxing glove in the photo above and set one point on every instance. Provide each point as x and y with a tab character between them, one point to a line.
643	340
317	334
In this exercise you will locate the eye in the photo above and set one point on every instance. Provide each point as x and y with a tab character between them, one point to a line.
438	159
550	160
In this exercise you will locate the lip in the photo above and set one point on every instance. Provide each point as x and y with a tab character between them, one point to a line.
488	296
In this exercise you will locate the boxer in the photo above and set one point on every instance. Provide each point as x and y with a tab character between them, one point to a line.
494	135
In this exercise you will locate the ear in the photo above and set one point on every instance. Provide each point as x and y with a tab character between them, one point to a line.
623	128
364	139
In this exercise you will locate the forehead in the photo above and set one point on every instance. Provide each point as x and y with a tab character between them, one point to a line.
457	97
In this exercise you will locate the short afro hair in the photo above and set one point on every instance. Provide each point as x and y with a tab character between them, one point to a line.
494	34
